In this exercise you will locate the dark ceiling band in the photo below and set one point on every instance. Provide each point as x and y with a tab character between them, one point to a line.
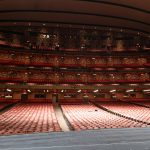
72	23
117	4
76	13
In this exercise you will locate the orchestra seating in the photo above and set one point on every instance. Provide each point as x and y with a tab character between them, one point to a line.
87	116
32	117
28	118
128	110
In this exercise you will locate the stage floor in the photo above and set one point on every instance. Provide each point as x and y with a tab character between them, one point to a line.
104	139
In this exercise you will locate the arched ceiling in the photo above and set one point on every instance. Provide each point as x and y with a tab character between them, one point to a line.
122	14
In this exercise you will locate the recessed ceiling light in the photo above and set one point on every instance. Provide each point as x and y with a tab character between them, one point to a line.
147	90
125	96
147	84
85	96
67	96
8	90
79	91
95	91
29	90
133	84
113	91
130	90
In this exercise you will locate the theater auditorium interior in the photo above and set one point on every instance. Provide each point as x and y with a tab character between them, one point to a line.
74	75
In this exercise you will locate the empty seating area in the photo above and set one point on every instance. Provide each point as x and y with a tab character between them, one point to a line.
74	67
34	117
129	110
28	118
88	116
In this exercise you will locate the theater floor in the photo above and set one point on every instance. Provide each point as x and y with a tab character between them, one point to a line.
104	139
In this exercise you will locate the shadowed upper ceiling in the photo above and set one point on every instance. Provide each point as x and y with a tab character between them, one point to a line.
134	15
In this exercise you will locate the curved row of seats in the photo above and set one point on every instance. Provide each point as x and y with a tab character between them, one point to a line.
146	104
28	118
87	116
128	110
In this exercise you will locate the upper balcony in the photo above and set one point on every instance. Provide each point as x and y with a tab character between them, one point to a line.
47	60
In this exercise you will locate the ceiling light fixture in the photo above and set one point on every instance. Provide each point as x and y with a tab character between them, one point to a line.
130	90
113	91
8	90
79	91
95	91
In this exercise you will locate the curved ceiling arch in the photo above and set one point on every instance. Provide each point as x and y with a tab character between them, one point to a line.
118	4
125	14
77	12
69	24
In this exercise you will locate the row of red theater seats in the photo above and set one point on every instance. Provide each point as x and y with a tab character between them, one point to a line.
10	101
52	48
61	101
11	79
75	100
68	64
129	110
137	99
64	61
54	63
28	118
